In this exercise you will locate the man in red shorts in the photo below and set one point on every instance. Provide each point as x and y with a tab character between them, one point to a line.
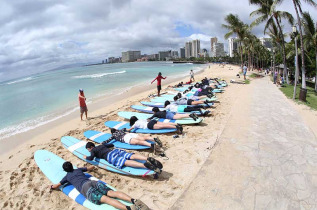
158	78
82	104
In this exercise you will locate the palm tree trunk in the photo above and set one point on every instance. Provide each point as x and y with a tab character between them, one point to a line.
301	47
241	53
316	66
285	75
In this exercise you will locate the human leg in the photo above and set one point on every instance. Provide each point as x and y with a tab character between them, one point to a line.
180	116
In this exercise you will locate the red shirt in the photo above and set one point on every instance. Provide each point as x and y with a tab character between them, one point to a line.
82	102
158	78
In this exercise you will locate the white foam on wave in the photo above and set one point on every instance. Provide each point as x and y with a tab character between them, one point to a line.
20	80
32	124
97	75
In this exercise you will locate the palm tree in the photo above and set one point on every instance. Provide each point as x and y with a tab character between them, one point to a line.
310	37
236	26
298	8
267	13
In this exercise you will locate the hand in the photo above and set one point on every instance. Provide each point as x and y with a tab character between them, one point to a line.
85	157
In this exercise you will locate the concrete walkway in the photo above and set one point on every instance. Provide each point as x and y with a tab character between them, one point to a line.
266	158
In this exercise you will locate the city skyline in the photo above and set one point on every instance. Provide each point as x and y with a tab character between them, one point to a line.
39	36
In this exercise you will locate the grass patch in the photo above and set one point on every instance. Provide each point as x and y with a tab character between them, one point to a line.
254	75
247	81
311	96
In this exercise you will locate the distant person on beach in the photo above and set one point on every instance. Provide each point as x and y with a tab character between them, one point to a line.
159	78
192	75
82	104
120	158
96	192
245	69
275	77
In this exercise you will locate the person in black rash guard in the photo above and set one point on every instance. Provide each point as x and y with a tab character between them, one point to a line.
94	191
120	158
171	115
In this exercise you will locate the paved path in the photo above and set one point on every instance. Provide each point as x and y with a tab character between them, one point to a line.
266	158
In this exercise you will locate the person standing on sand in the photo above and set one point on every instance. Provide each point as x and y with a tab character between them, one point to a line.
245	69
82	104
191	73
159	78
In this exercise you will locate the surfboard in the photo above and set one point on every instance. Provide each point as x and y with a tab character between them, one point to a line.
99	137
161	104
51	165
184	121
77	147
120	125
147	109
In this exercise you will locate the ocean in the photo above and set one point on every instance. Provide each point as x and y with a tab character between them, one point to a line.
29	102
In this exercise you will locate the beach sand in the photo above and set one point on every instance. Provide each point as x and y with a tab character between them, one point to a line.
24	186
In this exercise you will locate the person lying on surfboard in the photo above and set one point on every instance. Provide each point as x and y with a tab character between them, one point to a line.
185	101
193	97
133	138
153	125
120	158
96	192
171	115
183	108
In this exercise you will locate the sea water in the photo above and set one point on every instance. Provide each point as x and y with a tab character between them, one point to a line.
29	102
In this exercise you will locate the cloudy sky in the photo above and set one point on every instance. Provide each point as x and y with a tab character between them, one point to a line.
41	35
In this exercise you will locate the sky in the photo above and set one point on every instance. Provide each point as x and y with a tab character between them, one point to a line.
37	36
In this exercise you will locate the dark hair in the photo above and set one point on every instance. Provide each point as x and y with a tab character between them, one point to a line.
89	145
190	88
167	103
155	109
68	166
113	130
133	119
179	95
159	73
175	98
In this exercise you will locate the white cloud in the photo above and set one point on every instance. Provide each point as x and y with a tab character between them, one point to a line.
40	35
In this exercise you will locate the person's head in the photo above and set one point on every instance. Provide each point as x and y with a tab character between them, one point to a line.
190	88
179	95
175	98
81	91
113	130
155	109
90	146
182	82
191	70
159	74
68	166
167	103
133	119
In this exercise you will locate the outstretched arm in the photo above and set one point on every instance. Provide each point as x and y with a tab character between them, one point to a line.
90	168
55	186
154	80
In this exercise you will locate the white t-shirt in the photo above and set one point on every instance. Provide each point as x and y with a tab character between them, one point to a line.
140	124
245	68
171	108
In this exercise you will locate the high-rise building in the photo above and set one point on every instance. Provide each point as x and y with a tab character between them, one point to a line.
233	46
164	55
204	53
219	50
188	49
130	56
266	42
182	52
195	48
213	41
174	54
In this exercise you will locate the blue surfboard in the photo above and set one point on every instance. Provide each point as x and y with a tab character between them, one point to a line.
77	147
184	121
99	137
195	89
163	99
120	125
148	109
51	165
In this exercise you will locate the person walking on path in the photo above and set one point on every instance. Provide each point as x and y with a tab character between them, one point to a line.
275	77
159	78
245	69
82	104
192	75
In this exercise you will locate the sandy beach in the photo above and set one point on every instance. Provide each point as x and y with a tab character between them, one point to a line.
25	186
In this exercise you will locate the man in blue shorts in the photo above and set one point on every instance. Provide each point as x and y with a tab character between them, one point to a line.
95	191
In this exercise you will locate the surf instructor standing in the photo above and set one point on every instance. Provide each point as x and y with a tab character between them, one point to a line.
159	78
82	104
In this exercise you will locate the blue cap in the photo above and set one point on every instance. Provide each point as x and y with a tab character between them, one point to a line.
81	90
